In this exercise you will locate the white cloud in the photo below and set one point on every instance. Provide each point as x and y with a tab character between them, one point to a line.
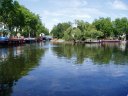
70	14
69	10
73	13
70	3
55	20
55	11
120	15
80	16
31	0
48	13
120	5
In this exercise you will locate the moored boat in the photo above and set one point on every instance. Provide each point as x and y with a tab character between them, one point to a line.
3	40
110	41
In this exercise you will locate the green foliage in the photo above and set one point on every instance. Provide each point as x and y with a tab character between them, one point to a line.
83	31
120	26
104	25
20	19
72	34
58	30
68	34
93	34
100	28
76	33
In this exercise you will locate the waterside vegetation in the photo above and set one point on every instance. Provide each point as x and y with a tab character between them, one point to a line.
102	28
18	19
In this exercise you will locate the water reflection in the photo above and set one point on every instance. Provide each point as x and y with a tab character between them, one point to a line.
98	53
16	62
64	70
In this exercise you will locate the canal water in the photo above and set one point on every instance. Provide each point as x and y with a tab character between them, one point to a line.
45	69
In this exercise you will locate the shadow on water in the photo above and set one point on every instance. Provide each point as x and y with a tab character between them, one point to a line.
98	53
16	62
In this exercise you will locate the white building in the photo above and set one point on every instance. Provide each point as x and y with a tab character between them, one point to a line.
1	26
3	29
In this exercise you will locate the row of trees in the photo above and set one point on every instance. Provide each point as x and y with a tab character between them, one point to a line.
99	28
19	19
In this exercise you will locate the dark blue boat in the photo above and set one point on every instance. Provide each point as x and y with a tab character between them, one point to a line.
4	40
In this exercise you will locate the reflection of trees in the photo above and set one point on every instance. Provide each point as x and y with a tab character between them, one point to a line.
14	67
98	53
120	57
62	50
102	55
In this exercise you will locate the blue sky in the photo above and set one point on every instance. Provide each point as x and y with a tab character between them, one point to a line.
55	11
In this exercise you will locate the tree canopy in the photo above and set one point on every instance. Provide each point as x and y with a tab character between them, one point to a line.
99	28
58	30
19	19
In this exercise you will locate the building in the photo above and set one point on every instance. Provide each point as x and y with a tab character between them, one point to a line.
4	31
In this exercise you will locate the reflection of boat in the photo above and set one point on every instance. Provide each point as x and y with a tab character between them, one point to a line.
3	54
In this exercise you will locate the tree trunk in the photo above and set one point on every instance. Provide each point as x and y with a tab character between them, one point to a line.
126	36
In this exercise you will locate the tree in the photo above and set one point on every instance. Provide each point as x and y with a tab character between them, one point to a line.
20	19
104	25
76	33
6	10
58	30
72	34
68	34
120	26
87	30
